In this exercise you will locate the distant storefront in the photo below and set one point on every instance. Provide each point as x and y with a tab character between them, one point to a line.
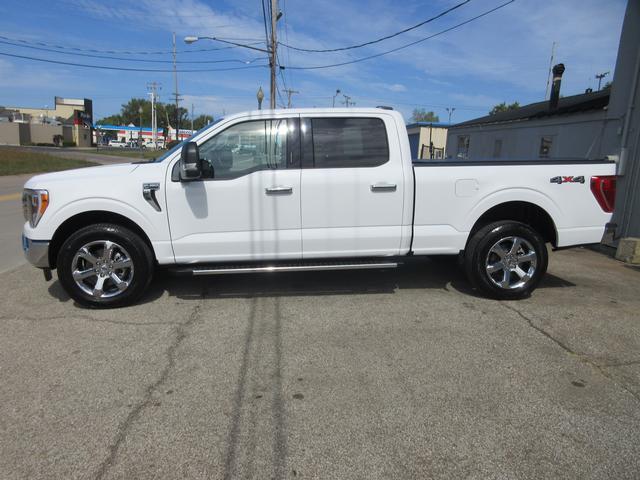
69	119
132	133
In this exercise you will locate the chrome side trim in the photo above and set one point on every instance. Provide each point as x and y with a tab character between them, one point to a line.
149	193
292	268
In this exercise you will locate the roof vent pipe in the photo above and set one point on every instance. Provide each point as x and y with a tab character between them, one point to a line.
558	70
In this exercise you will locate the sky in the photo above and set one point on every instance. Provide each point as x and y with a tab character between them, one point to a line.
501	57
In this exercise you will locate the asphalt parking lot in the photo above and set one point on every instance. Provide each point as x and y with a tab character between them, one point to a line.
370	374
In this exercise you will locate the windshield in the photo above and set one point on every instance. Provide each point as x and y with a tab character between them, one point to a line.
177	147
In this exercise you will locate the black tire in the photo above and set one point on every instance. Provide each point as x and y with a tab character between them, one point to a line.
480	255
137	254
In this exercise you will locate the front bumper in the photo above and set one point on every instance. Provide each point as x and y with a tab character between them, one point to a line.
36	252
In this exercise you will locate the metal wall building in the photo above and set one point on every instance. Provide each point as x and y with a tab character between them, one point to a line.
622	133
571	129
588	126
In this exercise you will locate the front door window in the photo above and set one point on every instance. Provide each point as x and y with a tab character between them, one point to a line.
247	147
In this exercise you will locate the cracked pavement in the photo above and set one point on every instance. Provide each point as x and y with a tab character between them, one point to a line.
365	374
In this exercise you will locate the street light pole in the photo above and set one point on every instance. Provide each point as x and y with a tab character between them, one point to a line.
140	130
260	97
271	51
450	111
333	104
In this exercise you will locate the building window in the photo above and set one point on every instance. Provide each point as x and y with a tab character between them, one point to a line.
545	147
497	148
463	146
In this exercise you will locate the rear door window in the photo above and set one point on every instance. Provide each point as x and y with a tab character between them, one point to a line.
349	142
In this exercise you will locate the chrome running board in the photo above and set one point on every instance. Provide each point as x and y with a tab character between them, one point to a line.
224	270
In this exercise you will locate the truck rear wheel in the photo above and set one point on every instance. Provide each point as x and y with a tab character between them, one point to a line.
506	260
104	266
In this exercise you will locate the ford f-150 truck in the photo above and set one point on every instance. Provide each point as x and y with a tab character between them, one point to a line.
308	189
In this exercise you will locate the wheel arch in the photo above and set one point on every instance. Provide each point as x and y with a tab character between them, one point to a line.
520	211
84	219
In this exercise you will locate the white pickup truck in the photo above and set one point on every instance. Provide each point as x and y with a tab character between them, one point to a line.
307	189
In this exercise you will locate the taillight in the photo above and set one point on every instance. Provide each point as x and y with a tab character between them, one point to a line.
604	189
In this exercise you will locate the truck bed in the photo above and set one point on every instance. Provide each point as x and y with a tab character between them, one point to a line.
451	196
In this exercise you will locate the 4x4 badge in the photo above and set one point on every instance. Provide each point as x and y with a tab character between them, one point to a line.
567	179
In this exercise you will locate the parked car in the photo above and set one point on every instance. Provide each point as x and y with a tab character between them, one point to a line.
149	143
136	144
117	143
308	189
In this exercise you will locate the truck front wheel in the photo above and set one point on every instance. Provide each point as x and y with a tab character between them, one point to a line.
506	260
105	265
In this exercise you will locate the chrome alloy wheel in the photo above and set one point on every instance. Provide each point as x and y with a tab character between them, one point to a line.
511	262
102	269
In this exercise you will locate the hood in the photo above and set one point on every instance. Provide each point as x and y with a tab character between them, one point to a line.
101	171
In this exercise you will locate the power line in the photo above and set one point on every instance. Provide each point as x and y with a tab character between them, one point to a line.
286	35
264	19
118	52
126	69
280	71
381	39
357	60
109	57
273	50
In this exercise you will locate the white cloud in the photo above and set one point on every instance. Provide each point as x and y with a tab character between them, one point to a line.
396	87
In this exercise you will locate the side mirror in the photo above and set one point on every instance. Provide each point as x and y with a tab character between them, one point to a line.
190	163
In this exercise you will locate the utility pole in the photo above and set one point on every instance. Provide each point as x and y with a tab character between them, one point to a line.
274	46
600	76
450	111
153	88
553	53
192	118
175	93
289	93
347	101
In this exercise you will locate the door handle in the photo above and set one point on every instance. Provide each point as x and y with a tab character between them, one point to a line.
279	190
384	187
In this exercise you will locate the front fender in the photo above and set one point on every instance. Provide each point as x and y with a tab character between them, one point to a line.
49	224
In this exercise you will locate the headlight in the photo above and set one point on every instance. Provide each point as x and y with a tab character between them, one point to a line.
34	204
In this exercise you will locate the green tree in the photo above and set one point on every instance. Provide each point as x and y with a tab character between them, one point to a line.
130	113
170	110
421	115
201	121
110	120
503	107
